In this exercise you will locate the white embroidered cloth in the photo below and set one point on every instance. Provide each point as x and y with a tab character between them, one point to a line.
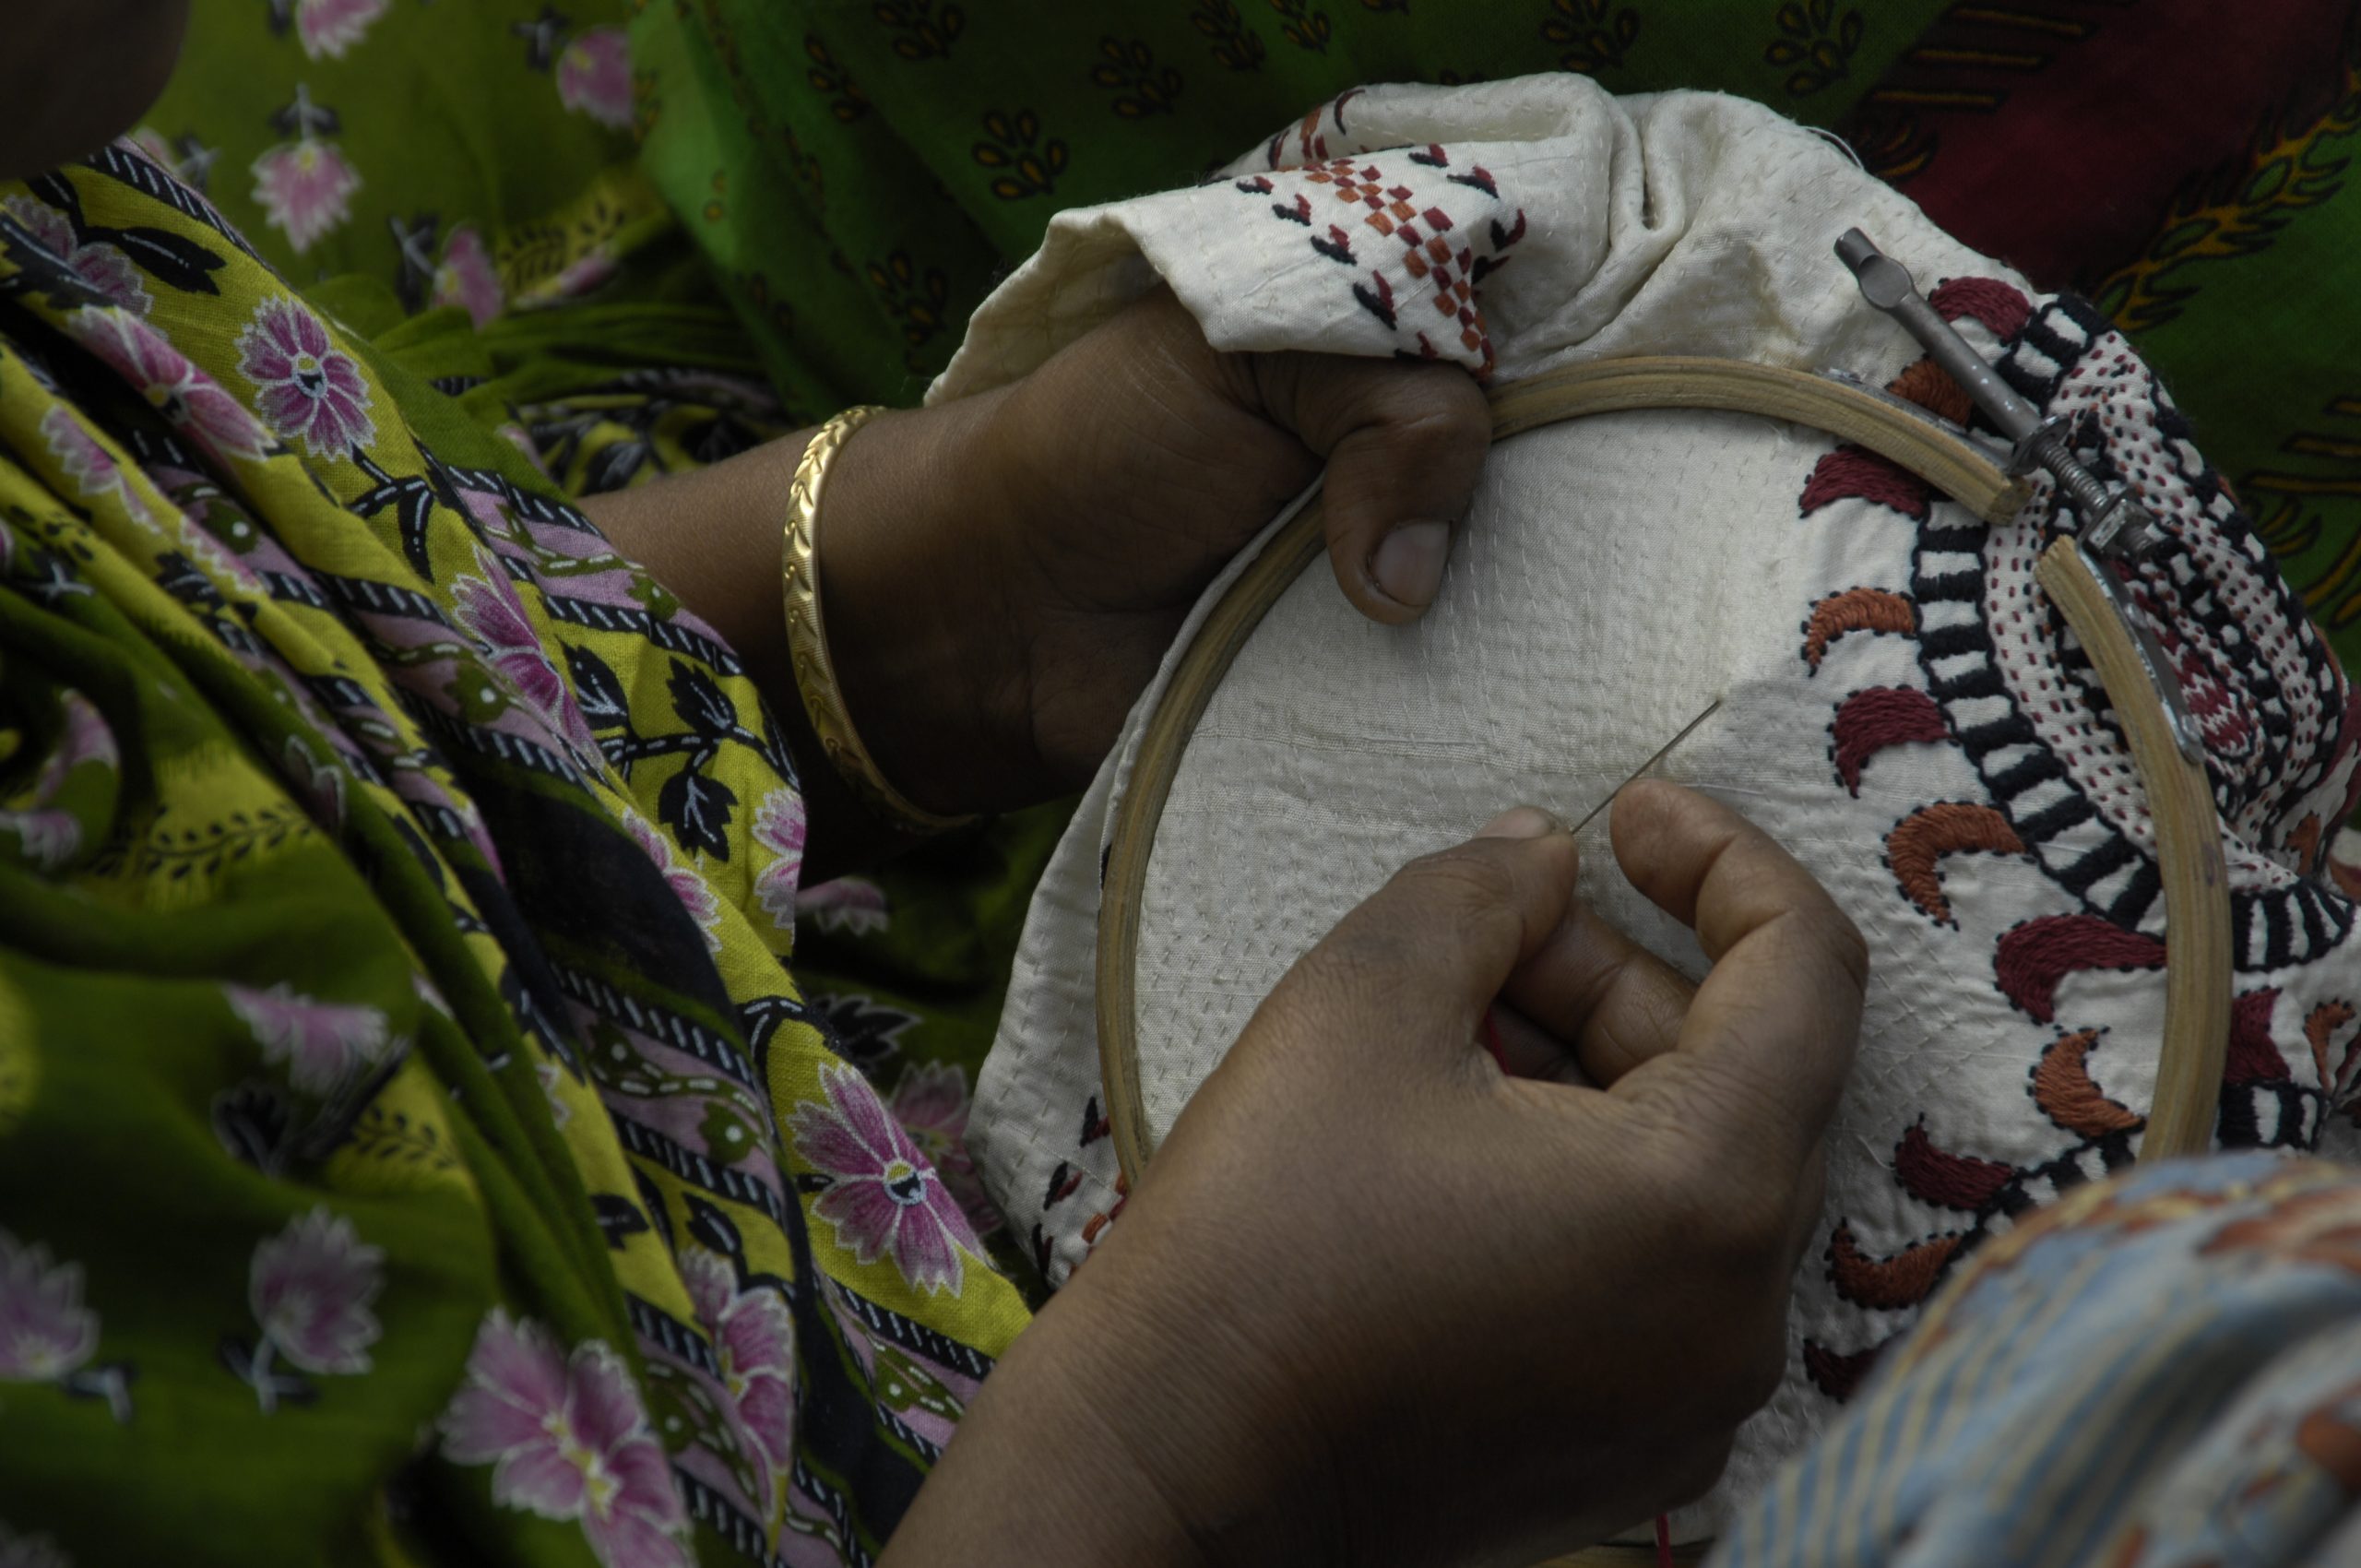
1903	710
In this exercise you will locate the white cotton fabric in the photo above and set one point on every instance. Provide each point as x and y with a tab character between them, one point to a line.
1614	577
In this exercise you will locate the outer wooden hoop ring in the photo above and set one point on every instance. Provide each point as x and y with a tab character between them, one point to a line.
2189	836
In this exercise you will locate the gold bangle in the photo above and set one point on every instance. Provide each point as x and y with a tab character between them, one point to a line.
807	639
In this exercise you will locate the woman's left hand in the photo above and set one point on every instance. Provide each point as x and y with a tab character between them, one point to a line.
1001	574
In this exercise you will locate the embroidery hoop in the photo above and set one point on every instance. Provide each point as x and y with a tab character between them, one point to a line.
2180	796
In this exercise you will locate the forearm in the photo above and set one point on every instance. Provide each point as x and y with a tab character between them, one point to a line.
924	662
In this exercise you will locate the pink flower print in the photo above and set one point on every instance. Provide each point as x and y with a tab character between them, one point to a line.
883	1197
49	837
594	77
931	1102
103	267
467	276
30	1552
577	277
88	737
46	1334
91	467
567	1439
779	827
304	385
487	610
327	27
311	1288
321	1042
754	1338
851	904
687	886
305	188
192	400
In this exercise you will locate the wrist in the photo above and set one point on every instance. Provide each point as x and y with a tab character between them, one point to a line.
929	650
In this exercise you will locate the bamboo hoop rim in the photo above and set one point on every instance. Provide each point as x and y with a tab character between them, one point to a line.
2197	903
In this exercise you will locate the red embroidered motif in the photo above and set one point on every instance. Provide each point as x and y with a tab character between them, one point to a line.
1955	1180
1996	305
1885	1284
1927	835
2037	954
1837	1374
2253	1058
1877	717
2062	1088
1855	474
1856	610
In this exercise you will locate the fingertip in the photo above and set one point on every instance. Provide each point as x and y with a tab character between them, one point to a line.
1407	564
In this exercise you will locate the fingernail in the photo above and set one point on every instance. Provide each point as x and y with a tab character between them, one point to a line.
1520	822
1407	564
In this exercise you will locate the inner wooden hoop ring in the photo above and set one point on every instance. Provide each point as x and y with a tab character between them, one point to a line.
2197	904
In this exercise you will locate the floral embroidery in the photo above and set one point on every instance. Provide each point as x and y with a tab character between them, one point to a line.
931	1102
46	1334
87	464
686	884
45	1331
184	395
779	827
467	276
327	27
311	1288
305	189
103	267
754	1339
881	1197
306	385
594	77
567	1439
851	904
321	1042
487	609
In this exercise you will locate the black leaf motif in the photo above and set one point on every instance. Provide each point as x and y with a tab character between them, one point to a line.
701	705
651	1203
618	1217
251	1122
713	1228
697	811
176	261
598	690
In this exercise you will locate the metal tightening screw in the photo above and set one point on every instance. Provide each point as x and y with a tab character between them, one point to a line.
2113	523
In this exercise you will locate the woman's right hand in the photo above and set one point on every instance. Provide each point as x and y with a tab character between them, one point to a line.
1376	1301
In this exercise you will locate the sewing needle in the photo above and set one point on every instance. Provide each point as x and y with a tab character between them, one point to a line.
1640	772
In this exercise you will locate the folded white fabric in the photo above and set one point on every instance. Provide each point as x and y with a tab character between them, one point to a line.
1902	709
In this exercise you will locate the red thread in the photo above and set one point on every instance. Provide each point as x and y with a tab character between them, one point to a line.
1955	1180
1869	721
1852	473
1931	387
1664	1541
1948	827
2253	1058
2062	1087
1835	1374
1856	610
1885	1284
2036	955
1986	300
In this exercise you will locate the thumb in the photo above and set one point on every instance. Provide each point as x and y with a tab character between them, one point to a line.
1403	445
1416	964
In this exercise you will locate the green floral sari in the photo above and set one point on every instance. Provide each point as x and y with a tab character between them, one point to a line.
413	1143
